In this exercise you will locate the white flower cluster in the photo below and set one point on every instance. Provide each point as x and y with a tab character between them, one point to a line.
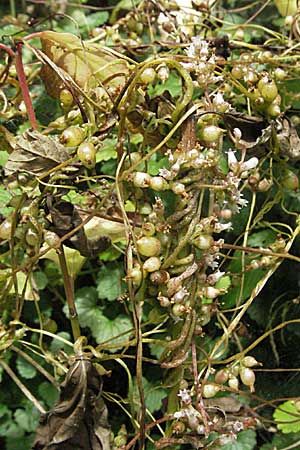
202	62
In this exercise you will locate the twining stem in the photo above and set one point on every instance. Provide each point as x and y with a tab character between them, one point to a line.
22	387
12	8
69	291
261	251
24	86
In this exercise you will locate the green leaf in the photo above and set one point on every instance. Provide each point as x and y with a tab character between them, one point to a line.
223	283
91	315
48	393
27	418
262	238
56	344
246	440
3	158
153	394
173	85
107	150
154	166
97	19
111	254
19	443
25	369
110	284
287	417
5	198
40	280
281	441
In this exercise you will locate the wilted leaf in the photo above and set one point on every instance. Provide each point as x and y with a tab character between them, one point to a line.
89	65
36	154
79	419
255	130
288	140
65	218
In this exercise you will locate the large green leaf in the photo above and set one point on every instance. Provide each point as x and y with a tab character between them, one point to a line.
25	369
246	440
153	394
110	284
91	315
287	417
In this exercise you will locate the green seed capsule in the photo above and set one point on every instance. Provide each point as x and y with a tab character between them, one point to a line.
148	246
86	152
72	136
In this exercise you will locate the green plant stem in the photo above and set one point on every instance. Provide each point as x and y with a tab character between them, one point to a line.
36	365
12	8
69	291
22	387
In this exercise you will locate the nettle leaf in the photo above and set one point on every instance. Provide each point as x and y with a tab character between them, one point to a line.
56	344
153	394
25	369
281	441
223	283
262	238
48	393
246	440
251	278
19	443
110	284
91	315
5	197
89	65
107	150
97	19
27	418
287	417
36	154
173	85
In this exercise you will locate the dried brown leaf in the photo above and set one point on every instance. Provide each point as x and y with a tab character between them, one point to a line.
88	64
79	419
36	154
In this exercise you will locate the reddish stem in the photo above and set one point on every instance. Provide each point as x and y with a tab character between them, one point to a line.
24	86
8	50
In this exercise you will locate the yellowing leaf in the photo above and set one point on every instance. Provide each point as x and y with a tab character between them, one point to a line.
89	65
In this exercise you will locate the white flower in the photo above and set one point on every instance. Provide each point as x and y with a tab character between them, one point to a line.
250	164
219	227
179	414
185	396
237	134
232	161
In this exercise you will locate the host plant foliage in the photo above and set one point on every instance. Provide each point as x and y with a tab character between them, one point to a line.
149	225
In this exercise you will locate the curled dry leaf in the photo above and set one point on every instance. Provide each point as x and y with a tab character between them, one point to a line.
89	65
36	154
79	419
65	218
288	140
255	130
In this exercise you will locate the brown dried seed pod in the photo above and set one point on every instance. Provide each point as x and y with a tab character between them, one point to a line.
159	277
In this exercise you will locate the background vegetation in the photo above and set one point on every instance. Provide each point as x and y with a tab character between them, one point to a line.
149	235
